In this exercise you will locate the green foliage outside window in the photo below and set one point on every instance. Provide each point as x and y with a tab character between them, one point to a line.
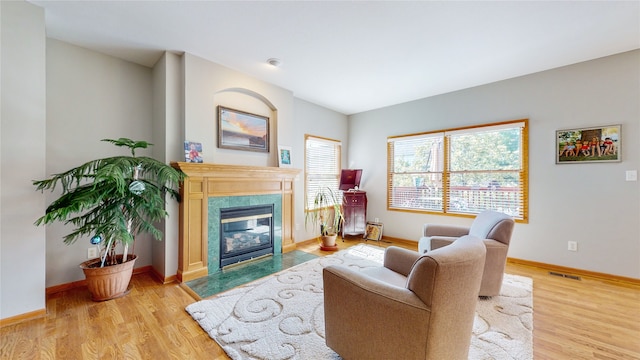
486	169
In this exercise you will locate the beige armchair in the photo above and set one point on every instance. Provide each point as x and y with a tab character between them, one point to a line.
495	228
414	307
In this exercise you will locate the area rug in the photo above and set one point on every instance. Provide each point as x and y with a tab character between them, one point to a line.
282	316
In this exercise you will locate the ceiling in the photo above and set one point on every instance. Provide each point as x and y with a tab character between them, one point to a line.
354	56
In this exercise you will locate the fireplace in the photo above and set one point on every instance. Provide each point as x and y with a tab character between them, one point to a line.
245	233
211	187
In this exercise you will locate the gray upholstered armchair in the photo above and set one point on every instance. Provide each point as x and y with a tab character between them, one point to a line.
416	306
495	228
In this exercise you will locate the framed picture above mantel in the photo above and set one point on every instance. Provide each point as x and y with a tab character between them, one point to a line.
241	130
588	145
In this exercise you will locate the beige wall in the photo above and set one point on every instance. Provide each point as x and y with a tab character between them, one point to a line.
187	91
22	152
208	85
318	121
90	96
168	137
588	203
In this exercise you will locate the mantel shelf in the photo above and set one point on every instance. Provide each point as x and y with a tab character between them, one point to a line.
235	171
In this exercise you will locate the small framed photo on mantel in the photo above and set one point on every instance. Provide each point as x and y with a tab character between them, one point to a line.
589	145
284	156
193	152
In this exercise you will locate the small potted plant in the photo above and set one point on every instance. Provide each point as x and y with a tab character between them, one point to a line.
111	200
327	212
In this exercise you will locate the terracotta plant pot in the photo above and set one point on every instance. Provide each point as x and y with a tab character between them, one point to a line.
329	242
109	282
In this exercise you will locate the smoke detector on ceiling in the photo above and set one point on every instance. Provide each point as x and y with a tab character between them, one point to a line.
274	62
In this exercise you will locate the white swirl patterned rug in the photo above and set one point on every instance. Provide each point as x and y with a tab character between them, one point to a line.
282	316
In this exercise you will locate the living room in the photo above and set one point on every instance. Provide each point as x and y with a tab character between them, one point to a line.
78	96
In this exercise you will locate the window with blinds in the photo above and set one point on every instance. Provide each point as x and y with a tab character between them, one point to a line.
321	167
460	171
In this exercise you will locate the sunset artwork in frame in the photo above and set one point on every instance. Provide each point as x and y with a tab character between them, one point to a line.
241	130
588	145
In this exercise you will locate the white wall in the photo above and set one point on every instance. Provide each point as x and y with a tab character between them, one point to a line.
90	96
22	151
588	203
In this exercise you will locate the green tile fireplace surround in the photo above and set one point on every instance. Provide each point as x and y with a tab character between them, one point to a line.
223	202
207	188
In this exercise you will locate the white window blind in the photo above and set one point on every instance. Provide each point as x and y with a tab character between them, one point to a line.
322	166
461	171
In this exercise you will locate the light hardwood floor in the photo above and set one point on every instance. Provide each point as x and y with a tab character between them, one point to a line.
587	319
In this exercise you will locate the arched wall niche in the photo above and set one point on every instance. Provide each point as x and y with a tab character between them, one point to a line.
252	102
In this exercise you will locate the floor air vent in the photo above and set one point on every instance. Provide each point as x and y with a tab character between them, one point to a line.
568	276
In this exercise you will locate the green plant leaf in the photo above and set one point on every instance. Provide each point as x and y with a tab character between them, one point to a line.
95	197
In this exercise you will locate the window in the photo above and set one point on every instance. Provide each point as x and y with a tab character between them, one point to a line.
460	171
321	166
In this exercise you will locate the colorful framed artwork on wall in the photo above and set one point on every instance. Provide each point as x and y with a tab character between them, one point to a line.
241	130
588	145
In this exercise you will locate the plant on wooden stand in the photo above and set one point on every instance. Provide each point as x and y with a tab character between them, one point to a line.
326	212
112	200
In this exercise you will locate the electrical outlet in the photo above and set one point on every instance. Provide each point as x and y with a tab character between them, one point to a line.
92	252
572	246
377	220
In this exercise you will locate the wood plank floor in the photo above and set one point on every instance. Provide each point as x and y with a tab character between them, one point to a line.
587	319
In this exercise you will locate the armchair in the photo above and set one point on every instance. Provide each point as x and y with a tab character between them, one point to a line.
415	306
494	228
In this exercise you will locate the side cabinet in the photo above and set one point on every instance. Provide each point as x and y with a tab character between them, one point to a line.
354	208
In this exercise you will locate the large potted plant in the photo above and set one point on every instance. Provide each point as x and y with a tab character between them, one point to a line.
327	213
111	200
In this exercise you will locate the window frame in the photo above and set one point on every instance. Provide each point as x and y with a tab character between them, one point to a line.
443	195
308	176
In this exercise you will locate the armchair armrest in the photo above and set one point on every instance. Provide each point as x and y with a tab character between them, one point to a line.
400	260
429	230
